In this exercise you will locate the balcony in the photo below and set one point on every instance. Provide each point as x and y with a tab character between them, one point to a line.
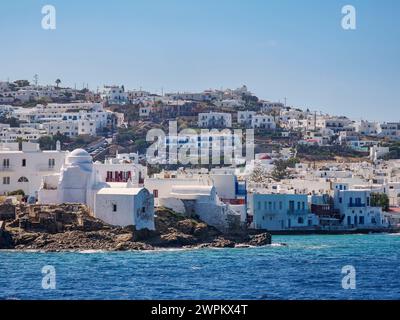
299	212
356	205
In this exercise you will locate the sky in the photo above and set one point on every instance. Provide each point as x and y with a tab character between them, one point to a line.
293	49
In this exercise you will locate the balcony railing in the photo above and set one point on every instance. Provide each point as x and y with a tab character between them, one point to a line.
301	211
356	205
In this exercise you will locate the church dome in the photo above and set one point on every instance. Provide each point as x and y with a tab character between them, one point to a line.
79	156
79	153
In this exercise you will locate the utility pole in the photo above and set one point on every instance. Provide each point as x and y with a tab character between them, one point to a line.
315	120
36	79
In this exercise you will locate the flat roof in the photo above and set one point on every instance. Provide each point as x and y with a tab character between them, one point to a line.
120	191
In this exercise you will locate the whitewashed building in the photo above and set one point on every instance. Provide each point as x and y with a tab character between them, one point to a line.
215	120
81	181
263	121
357	210
277	212
23	168
114	94
245	117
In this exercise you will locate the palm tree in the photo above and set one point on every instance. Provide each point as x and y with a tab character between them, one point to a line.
58	81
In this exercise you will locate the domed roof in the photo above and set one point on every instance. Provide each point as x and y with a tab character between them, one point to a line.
79	153
79	156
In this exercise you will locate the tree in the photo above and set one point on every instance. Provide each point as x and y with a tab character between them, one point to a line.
18	192
380	200
58	81
49	142
281	168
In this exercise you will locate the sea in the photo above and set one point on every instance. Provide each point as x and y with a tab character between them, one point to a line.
327	267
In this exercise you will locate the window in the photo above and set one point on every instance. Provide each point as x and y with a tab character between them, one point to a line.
6	180
114	207
24	162
23	179
300	220
52	163
6	163
291	205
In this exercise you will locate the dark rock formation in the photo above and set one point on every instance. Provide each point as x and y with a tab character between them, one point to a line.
70	227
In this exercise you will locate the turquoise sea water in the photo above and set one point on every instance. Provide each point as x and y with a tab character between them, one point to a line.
309	267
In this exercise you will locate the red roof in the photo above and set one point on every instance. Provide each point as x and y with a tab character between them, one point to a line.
394	210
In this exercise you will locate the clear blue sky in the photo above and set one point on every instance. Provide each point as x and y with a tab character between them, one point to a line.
282	48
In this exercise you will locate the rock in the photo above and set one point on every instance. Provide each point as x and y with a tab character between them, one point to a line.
70	227
124	237
205	232
25	238
177	239
125	246
144	234
6	241
222	243
186	226
260	239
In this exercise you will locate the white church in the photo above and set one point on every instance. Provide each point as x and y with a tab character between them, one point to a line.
112	194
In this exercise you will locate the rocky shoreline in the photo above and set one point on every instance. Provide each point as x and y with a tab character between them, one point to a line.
70	228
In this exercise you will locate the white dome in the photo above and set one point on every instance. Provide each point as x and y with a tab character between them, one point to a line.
79	156
79	153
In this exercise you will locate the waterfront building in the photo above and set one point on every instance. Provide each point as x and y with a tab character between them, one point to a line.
196	194
22	166
357	209
278	212
82	181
